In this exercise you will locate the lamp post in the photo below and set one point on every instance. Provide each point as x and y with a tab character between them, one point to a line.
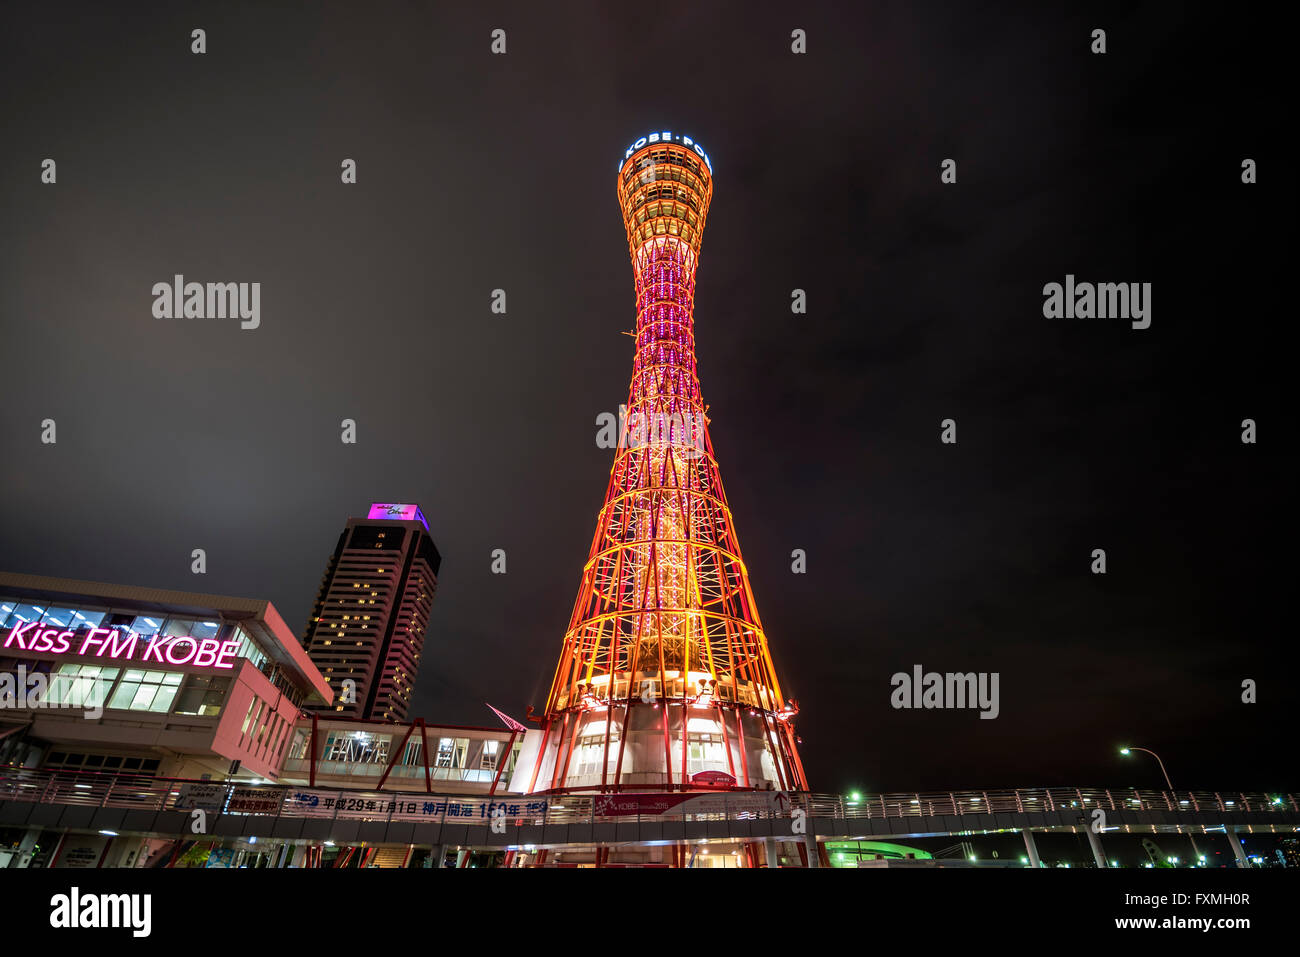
1196	851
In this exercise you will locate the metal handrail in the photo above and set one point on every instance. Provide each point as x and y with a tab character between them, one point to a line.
142	792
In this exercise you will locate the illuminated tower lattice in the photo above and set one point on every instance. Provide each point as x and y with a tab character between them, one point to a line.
665	671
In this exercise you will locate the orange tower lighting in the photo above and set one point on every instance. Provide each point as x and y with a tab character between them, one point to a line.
665	680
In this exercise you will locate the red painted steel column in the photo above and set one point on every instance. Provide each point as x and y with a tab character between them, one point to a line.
501	762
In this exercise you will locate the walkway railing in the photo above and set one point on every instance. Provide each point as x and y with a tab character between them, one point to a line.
272	801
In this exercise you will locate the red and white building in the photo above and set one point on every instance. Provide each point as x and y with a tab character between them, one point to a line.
118	678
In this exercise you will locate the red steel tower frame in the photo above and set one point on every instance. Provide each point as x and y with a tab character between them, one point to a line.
665	670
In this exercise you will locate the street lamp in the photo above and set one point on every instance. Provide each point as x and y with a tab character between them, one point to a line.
1196	851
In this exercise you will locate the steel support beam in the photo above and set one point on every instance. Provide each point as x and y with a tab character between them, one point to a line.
810	841
1095	843
1237	849
1031	847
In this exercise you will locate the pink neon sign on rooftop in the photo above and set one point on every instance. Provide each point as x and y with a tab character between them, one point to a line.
401	513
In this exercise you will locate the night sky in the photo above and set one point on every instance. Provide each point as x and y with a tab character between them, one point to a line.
478	172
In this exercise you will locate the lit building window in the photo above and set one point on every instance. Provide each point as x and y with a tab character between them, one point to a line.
451	752
191	627
79	686
60	617
203	695
144	625
590	749
146	690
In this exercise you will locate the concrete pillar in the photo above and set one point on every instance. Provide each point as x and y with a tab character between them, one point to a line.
1095	843
33	758
770	843
439	855
23	857
284	855
1237	849
810	841
124	852
1031	847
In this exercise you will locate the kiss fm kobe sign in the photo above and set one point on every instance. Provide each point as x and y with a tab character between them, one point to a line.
114	644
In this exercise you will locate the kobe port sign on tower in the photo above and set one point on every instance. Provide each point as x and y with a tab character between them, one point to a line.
666	136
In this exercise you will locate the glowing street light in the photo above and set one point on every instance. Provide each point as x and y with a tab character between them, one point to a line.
1196	851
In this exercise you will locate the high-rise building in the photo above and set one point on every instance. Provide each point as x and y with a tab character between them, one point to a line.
366	631
665	680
